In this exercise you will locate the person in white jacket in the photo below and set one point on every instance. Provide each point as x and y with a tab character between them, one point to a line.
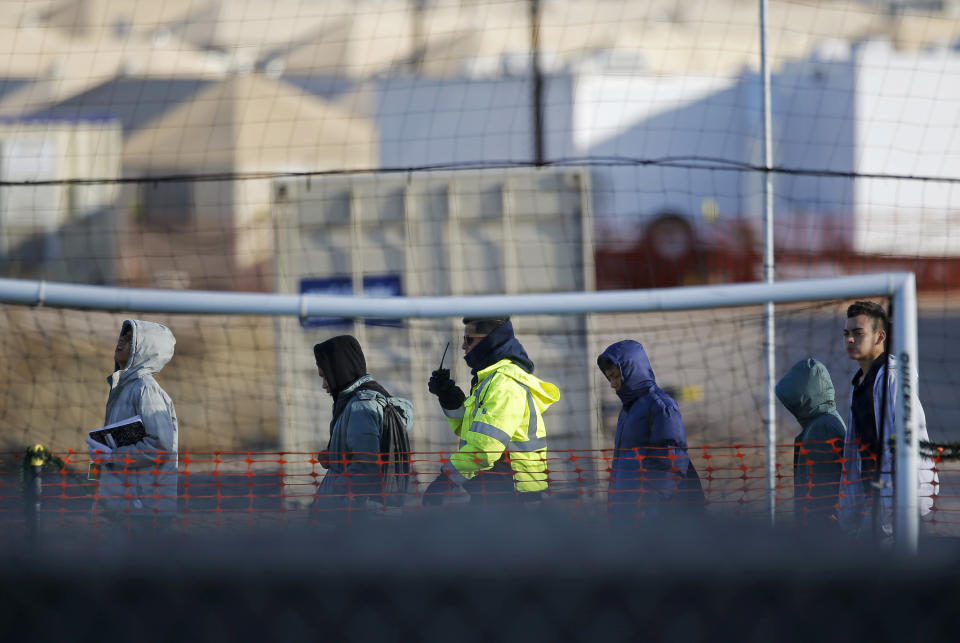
871	424
138	483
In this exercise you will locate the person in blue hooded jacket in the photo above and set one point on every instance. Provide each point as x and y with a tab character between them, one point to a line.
650	466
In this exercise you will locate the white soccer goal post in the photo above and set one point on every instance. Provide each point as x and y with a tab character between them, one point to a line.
900	287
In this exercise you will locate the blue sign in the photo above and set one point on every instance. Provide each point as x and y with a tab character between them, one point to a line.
373	286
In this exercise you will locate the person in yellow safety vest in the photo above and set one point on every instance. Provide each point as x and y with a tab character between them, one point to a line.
503	438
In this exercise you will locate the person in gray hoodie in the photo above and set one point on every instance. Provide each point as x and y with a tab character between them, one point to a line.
138	482
807	392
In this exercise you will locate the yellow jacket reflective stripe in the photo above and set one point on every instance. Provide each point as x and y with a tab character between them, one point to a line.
503	413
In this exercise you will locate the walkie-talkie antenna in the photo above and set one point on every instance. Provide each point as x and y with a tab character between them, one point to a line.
444	356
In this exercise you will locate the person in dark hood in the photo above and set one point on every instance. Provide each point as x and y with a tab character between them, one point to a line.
503	438
353	479
650	466
138	482
807	392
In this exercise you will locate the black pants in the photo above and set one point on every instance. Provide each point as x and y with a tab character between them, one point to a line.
495	487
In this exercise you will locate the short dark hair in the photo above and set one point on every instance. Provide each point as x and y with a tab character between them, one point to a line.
873	310
485	324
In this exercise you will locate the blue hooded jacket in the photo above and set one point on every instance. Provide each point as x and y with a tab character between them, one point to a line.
650	464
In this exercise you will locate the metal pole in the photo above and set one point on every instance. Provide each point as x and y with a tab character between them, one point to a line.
205	302
32	493
907	519
537	82
33	490
419	41
769	337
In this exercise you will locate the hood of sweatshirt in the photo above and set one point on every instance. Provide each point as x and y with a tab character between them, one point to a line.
342	362
807	390
499	344
151	347
636	374
544	393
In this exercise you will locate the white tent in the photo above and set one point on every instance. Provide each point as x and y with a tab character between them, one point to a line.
231	138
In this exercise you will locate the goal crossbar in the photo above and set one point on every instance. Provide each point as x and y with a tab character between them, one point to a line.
199	302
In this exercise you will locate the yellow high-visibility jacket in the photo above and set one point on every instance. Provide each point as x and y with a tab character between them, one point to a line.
503	413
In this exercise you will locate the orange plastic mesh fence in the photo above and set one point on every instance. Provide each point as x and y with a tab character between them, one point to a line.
256	488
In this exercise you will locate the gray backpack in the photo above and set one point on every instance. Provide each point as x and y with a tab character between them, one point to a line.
395	452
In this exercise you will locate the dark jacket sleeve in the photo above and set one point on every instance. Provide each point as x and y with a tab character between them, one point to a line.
666	459
821	461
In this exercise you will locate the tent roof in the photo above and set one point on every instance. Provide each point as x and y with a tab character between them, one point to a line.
255	124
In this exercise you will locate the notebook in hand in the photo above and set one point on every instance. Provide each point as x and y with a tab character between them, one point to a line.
120	434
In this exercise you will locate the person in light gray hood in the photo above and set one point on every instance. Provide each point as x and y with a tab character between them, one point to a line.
807	392
139	481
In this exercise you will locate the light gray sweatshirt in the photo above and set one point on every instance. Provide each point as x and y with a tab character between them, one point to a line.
142	478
